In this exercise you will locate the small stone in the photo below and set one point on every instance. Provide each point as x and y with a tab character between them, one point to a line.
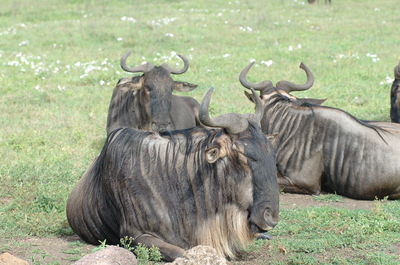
204	255
110	255
8	259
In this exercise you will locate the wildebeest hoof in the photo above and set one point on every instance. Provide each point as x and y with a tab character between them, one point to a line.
263	236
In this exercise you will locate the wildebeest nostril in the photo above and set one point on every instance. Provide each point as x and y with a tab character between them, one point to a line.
270	220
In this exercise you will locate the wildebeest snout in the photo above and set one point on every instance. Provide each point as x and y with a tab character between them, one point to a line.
263	221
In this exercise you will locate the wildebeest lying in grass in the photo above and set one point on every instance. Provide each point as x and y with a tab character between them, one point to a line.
146	101
395	96
323	148
178	189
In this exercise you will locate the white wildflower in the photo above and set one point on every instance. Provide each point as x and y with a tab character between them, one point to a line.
119	39
290	48
129	19
102	82
23	43
388	80
169	35
13	63
226	55
267	63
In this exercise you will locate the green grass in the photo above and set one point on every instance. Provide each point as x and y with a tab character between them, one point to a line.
326	235
328	198
53	115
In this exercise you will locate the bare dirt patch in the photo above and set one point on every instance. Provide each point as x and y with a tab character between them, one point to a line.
48	250
299	201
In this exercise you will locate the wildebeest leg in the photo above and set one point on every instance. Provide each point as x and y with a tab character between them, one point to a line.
168	251
287	186
307	179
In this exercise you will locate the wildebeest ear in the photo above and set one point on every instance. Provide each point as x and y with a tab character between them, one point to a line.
212	154
183	86
137	83
314	101
249	96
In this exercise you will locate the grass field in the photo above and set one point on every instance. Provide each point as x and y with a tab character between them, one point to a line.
59	61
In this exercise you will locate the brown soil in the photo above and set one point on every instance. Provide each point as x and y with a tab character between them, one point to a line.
64	250
293	201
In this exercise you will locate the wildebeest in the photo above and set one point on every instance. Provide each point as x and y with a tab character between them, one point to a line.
395	96
324	148
178	189
146	102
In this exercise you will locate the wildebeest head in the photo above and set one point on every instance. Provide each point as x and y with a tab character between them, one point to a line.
249	144
152	92
395	96
267	89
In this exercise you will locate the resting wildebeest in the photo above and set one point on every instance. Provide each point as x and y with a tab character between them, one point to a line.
395	96
146	101
323	148
178	189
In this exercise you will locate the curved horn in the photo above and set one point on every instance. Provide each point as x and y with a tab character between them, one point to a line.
259	86
232	122
175	71
259	106
397	72
288	86
140	68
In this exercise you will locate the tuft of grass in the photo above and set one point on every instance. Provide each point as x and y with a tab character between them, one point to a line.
328	198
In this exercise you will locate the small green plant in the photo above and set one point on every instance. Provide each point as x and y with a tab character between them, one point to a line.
141	252
154	254
126	242
38	256
145	254
102	245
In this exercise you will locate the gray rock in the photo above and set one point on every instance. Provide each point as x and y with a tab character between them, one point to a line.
110	255
204	255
